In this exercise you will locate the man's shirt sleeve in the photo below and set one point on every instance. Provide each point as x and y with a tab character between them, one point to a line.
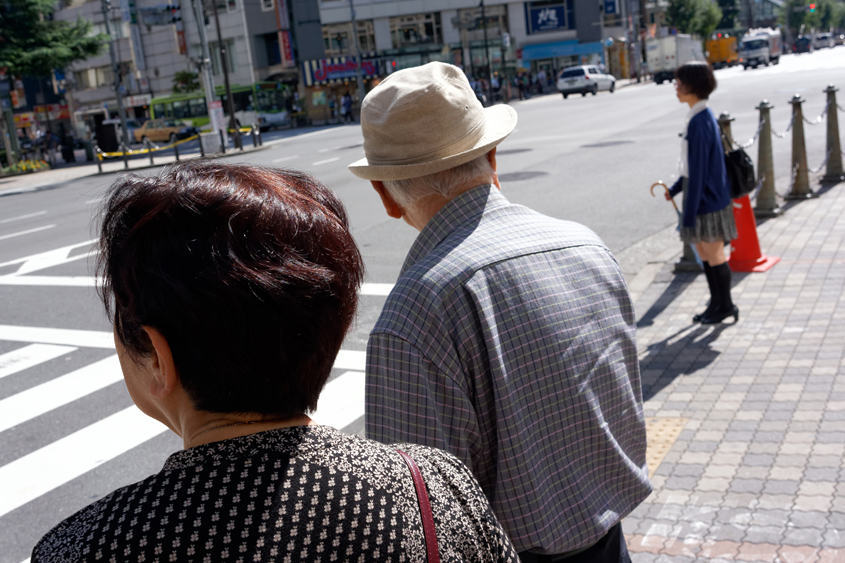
410	400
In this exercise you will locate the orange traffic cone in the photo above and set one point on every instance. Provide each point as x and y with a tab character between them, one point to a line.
745	250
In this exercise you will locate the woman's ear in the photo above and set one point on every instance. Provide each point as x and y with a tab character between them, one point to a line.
165	377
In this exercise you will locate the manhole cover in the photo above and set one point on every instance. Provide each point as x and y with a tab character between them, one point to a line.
606	144
520	176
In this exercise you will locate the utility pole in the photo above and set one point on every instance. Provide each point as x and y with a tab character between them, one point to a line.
205	70
487	56
360	77
118	77
230	103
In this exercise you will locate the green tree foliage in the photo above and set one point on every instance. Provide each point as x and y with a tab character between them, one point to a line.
730	12
34	44
828	14
185	82
699	17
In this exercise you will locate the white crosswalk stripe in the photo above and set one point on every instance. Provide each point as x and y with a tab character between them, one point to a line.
56	464
30	356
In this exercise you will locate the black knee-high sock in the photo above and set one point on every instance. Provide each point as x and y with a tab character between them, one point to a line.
722	279
714	289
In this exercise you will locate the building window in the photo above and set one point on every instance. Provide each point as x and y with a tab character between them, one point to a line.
419	29
338	42
271	44
267	5
470	20
228	5
214	48
549	15
105	76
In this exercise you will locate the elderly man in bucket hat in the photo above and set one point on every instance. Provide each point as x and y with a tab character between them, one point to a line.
509	338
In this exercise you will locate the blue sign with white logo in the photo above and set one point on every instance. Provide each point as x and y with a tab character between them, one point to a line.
609	6
546	18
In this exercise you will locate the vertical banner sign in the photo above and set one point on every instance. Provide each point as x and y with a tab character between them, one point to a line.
609	6
286	49
183	45
282	11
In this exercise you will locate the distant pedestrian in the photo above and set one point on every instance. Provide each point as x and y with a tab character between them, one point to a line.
509	339
708	221
346	108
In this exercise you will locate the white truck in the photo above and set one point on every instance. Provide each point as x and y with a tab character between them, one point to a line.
760	47
665	54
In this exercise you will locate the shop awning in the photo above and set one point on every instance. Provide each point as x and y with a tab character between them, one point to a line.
560	49
336	70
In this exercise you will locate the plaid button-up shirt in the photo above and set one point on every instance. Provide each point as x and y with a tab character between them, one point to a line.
509	341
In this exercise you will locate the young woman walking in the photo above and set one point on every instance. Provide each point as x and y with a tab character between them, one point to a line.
708	219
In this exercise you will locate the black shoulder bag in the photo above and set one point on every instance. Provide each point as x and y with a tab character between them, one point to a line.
740	169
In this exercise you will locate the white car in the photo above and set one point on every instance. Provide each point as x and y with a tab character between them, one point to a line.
584	80
824	41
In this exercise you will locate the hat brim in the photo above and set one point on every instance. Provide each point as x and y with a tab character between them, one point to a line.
500	122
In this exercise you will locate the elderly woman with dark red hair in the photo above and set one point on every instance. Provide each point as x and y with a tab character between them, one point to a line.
230	289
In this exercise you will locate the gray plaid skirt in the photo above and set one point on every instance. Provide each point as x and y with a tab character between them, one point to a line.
710	227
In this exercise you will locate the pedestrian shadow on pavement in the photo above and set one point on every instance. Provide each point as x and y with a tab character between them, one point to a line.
673	357
674	288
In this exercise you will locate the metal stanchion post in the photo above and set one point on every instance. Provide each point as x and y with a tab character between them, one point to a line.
176	151
767	205
202	148
254	136
725	120
260	138
834	172
125	156
99	162
149	144
801	182
222	142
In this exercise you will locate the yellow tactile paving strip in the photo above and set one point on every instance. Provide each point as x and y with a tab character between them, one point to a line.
661	433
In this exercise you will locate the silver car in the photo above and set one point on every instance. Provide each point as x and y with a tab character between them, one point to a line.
585	79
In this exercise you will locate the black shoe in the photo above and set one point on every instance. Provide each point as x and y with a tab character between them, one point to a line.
720	316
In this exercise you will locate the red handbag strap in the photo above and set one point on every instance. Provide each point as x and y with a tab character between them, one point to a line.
425	509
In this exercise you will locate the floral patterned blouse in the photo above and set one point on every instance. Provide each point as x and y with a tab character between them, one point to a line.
308	493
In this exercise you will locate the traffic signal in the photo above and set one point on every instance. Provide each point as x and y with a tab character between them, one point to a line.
162	14
812	7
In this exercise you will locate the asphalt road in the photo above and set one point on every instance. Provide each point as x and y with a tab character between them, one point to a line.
68	431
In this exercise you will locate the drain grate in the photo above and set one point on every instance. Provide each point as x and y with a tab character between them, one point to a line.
662	434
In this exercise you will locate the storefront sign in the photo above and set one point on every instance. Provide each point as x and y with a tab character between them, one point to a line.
546	18
336	70
137	101
24	119
52	112
609	6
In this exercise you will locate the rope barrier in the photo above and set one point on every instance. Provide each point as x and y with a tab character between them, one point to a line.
817	120
817	170
154	148
788	129
753	139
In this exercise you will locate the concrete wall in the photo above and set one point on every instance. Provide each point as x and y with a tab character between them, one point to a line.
307	30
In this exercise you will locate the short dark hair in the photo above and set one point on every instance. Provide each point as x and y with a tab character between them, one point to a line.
697	77
250	273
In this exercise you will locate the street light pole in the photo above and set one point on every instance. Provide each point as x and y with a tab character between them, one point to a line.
117	74
487	55
359	76
230	103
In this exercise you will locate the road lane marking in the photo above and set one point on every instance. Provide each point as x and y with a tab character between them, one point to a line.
342	401
30	356
19	217
376	289
369	289
48	259
286	158
30	231
58	392
50	467
297	137
61	336
319	162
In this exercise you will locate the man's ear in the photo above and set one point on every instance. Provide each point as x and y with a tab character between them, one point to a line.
393	209
165	377
491	158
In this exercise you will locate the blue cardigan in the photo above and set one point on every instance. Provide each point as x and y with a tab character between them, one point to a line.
707	186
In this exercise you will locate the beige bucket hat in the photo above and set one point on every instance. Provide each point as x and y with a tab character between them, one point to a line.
426	119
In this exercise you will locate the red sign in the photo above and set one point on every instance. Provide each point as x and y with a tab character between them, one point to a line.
183	46
345	69
286	48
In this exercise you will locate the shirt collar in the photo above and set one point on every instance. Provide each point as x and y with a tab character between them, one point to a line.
697	108
464	211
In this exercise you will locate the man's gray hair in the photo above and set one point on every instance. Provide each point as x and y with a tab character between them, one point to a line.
408	192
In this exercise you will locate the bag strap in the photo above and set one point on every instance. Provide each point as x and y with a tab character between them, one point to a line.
425	509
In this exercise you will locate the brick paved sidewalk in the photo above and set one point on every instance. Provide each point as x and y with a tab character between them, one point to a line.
757	472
